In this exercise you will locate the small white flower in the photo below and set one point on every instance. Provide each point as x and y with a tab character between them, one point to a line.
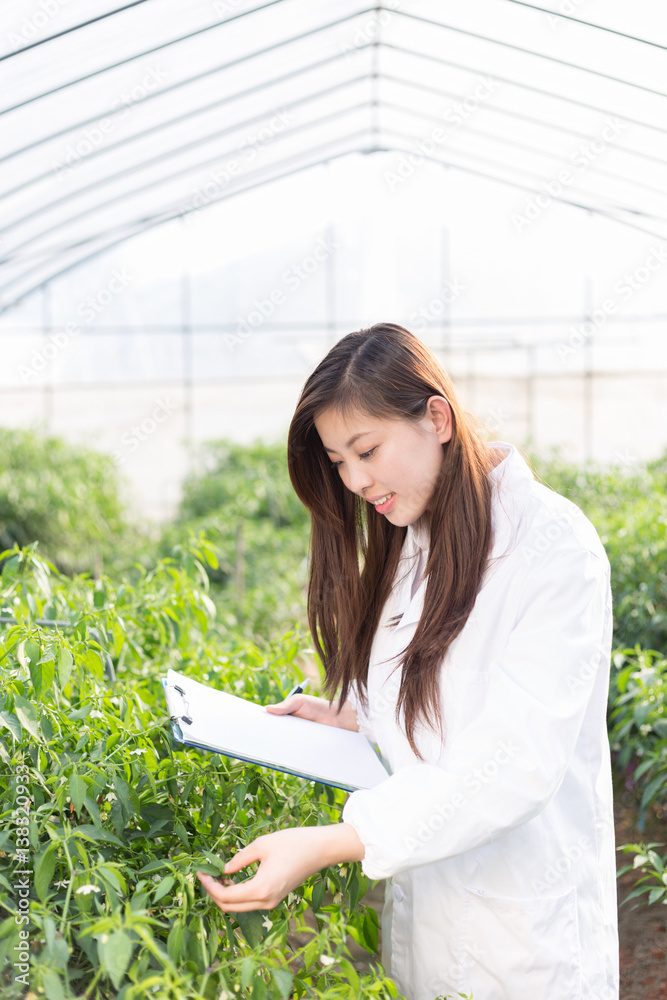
268	924
95	714
327	960
137	751
110	796
61	885
338	898
86	889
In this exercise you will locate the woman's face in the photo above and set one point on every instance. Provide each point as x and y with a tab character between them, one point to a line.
396	461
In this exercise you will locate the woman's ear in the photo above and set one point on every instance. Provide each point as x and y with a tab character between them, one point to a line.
439	413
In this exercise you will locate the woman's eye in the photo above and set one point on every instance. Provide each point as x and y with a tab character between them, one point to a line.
365	454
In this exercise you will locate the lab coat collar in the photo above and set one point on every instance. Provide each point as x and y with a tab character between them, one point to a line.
511	481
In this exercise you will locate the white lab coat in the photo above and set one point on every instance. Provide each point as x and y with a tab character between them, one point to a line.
499	849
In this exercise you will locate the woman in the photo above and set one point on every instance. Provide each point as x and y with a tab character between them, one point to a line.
462	610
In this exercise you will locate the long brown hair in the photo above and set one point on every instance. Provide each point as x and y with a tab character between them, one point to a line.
386	371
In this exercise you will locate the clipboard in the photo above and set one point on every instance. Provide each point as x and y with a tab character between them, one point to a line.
212	720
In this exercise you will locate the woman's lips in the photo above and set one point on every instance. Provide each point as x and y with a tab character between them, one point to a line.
384	508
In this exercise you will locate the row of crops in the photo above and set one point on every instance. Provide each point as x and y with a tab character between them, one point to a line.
105	820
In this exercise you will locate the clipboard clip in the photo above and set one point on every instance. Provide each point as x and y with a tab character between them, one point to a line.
181	718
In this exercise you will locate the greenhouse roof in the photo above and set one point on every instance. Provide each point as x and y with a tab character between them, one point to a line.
120	117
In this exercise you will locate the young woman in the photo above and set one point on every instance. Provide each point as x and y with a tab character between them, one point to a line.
462	611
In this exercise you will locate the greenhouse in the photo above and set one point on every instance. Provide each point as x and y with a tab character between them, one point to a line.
236	237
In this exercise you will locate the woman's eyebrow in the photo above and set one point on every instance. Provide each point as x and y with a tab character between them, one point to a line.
351	441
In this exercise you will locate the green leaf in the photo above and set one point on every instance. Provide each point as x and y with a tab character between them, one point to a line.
656	894
44	872
259	988
42	676
247	972
181	833
351	974
311	952
80	713
371	928
92	664
318	894
65	663
10	722
77	790
251	925
283	980
116	955
127	797
165	886
27	716
240	792
89	832
175	943
153	866
53	985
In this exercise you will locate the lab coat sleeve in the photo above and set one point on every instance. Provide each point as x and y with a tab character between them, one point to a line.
504	765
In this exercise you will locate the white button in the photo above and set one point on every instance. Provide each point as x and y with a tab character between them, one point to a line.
398	893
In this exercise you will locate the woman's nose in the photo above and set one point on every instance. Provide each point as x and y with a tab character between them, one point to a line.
358	479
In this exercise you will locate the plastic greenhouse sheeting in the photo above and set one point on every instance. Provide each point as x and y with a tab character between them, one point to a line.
119	117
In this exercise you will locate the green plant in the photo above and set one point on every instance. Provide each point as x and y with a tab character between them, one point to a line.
111	818
653	868
244	504
638	722
629	511
64	496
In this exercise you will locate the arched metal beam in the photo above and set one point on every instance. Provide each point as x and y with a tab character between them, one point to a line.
524	86
133	192
588	24
153	182
188	115
204	140
662	191
237	126
525	51
182	38
167	215
67	31
438	92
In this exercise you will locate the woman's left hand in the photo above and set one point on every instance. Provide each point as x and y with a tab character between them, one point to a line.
287	858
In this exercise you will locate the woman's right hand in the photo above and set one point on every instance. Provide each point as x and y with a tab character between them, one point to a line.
306	706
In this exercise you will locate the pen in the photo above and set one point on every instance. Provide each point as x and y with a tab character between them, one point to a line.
299	688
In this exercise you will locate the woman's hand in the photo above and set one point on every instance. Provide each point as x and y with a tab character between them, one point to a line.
306	706
286	858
